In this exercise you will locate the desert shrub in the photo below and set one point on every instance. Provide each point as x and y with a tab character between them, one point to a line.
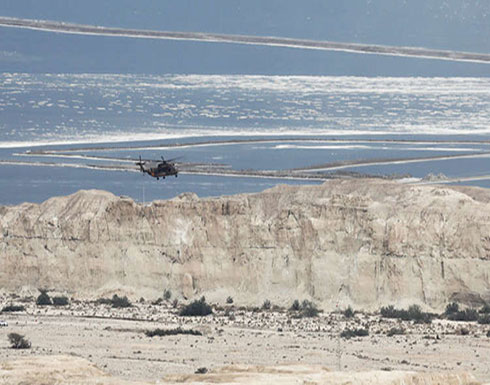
348	313
305	309
464	331
451	308
175	303
266	305
414	313
18	341
229	300
117	301
202	370
60	301
349	333
12	308
295	306
167	294
389	312
395	331
485	309
484	319
171	332
43	299
488	333
158	301
464	315
104	301
308	309
196	308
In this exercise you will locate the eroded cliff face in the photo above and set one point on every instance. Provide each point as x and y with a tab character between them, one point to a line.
361	242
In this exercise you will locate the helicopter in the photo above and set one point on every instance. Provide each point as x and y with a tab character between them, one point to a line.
158	169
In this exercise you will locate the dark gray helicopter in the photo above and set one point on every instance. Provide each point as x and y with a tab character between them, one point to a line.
158	169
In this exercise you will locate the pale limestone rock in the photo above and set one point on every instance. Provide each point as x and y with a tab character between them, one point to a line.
77	371
64	370
366	243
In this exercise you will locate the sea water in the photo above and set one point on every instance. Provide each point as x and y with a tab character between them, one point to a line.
350	118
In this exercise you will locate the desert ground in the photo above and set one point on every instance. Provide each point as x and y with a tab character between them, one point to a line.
114	339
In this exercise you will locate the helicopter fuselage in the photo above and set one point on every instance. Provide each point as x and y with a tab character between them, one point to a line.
158	170
161	171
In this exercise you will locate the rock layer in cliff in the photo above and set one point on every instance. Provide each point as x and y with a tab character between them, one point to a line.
366	243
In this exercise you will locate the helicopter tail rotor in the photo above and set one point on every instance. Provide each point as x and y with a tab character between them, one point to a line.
141	164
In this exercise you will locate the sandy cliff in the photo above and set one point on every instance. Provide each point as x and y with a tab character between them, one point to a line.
360	242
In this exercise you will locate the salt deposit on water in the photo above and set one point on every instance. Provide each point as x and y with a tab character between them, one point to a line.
138	107
353	118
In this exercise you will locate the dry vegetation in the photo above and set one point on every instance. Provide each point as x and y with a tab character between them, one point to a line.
146	339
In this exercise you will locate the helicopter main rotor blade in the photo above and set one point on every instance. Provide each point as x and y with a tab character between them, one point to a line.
156	161
174	159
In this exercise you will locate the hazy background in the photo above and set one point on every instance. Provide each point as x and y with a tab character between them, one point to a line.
462	25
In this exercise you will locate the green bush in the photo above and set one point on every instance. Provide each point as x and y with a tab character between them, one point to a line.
18	341
485	309
484	319
43	299
60	301
12	308
451	308
229	300
295	306
348	313
266	305
414	313
103	301
349	333
158	301
308	309
167	294
304	309
464	315
395	331
196	308
171	332
118	302
389	312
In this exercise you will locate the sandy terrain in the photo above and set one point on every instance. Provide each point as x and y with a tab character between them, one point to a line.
114	340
